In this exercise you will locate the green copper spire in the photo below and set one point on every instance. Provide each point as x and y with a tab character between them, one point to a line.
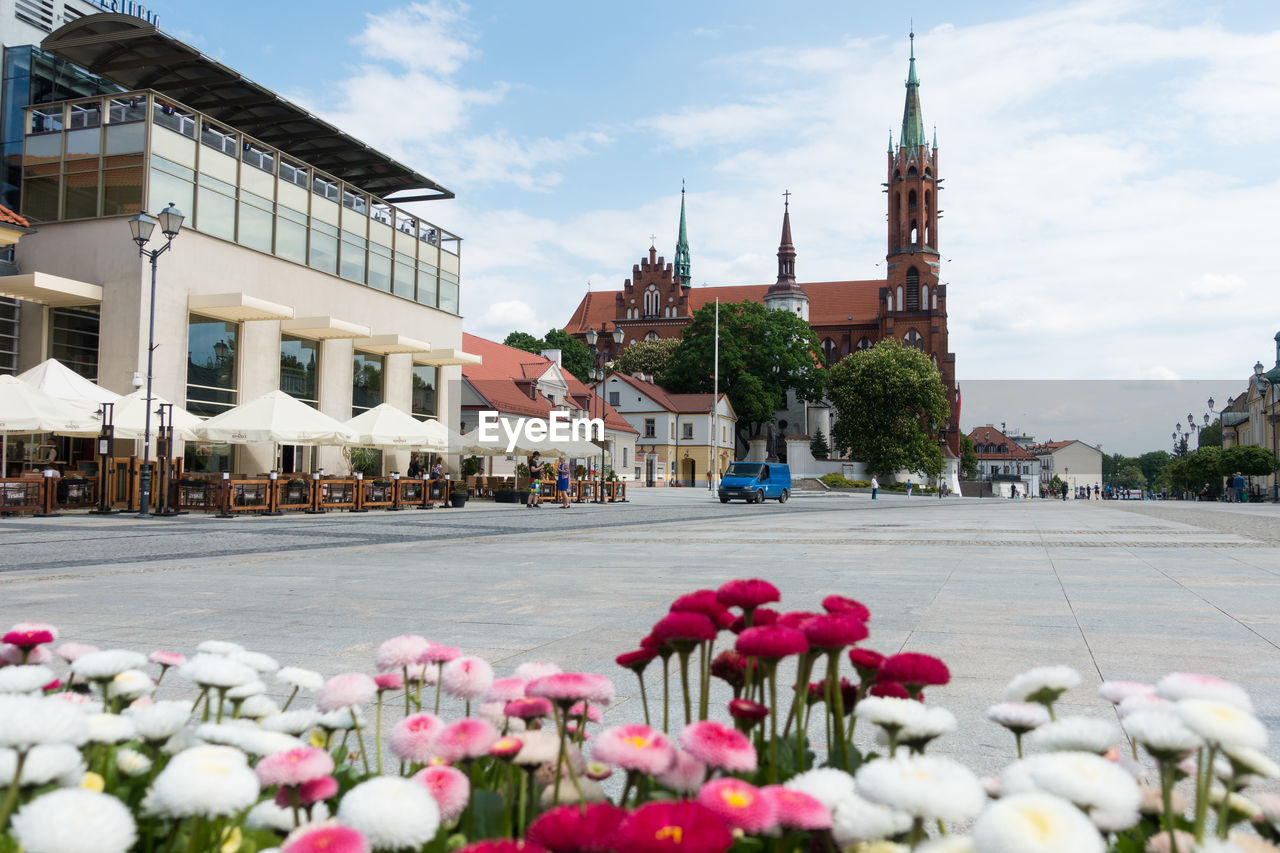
912	116
682	248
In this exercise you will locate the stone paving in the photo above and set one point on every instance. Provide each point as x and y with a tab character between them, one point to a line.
1116	590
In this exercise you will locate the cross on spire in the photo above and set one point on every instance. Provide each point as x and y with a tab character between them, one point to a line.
786	198
653	240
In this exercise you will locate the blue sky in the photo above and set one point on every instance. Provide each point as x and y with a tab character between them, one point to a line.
1111	203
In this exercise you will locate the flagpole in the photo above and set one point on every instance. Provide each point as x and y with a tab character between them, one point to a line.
714	442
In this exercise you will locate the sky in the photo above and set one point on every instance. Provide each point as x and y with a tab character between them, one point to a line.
1110	209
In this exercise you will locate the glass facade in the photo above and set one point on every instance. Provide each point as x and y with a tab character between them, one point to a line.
118	154
73	339
212	346
9	312
366	382
425	377
300	369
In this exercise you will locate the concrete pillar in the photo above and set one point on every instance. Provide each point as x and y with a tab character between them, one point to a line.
799	456
757	451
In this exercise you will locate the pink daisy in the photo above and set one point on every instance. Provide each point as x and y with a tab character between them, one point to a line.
833	631
400	652
439	653
686	774
412	737
325	837
426	673
740	804
448	786
577	829
636	661
529	670
28	638
309	792
703	601
505	689
568	687
796	809
466	738
635	747
506	747
163	658
771	642
293	767
747	593
70	651
389	681
594	714
717	745
346	690
685	628
527	709
12	655
466	678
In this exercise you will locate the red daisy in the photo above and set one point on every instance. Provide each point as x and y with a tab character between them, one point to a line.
745	709
834	631
840	604
325	837
796	618
503	845
731	667
914	671
763	616
771	642
889	688
703	601
866	662
684	628
683	826
28	639
577	829
636	661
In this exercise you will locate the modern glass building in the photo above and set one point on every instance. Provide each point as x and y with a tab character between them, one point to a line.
298	266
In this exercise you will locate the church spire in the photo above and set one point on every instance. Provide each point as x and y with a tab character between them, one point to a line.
785	294
682	264
912	116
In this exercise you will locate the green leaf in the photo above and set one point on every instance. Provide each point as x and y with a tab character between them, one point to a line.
488	815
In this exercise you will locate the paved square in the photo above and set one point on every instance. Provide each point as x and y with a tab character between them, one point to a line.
1116	590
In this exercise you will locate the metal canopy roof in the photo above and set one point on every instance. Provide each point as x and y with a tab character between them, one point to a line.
132	53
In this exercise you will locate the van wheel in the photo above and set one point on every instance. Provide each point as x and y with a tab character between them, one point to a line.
724	500
782	498
760	497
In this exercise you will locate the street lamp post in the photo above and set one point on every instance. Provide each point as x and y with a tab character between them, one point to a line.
598	373
140	227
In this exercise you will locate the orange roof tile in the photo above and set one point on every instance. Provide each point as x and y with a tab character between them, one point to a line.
985	435
680	403
9	217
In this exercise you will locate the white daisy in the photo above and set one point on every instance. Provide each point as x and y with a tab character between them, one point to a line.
933	723
1116	692
1187	685
1246	762
257	661
346	718
1142	702
220	647
1269	803
290	722
1035	823
26	721
1074	734
110	728
537	747
303	679
208	781
130	684
1222	724
890	712
244	691
1162	733
213	670
1018	717
53	762
827	785
1108	820
531	670
392	813
856	820
955	844
927	787
25	679
74	820
182	740
248	737
257	707
269	816
106	665
1088	780
1238	803
159	721
130	762
1043	684
83	702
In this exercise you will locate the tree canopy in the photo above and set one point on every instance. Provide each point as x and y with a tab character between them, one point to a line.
763	354
890	403
1249	459
649	357
575	357
968	458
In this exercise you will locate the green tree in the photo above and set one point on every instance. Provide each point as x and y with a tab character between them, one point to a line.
968	458
1249	459
1130	477
1211	436
575	357
763	354
1203	467
524	341
819	447
1111	466
890	403
1152	463
649	357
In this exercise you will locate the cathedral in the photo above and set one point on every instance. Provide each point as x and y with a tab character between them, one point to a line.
909	304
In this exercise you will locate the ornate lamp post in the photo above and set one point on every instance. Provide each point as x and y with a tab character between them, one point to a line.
598	374
140	227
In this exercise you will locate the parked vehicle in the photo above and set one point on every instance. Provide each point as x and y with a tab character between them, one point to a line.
755	481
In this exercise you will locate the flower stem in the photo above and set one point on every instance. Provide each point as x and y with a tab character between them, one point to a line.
684	684
666	695
917	832
1204	776
439	678
404	670
837	703
287	703
644	700
772	675
378	732
561	724
1224	809
11	798
222	700
1167	770
364	754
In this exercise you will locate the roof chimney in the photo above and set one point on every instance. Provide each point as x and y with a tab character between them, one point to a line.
552	355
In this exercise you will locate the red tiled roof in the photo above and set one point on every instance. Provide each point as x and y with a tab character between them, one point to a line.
9	217
507	375
1049	446
679	403
831	303
979	436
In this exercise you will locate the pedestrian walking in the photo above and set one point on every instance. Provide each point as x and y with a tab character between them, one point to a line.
875	487
909	485
1239	485
562	482
535	479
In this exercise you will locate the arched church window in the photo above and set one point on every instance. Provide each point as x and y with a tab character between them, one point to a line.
889	301
828	350
911	173
899	301
913	339
915	232
911	200
913	289
864	343
924	297
652	336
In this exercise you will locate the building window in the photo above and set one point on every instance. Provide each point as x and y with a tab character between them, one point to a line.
686	430
424	390
366	382
913	339
9	309
625	460
673	430
913	289
615	398
864	343
212	346
300	369
650	428
73	334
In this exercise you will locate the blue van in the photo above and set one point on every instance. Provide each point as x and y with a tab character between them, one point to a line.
755	481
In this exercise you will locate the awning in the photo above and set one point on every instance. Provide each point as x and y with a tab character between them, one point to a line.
51	290
443	357
323	328
237	307
391	344
135	55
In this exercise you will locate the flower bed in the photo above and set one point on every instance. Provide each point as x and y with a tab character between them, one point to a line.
90	761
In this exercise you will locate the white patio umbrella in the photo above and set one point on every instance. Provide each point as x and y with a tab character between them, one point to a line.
390	428
274	417
472	444
54	378
131	411
24	409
